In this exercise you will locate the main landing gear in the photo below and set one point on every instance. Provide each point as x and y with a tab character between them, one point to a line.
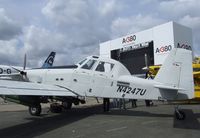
57	107
180	115
35	110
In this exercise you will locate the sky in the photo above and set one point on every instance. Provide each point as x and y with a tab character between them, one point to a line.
74	28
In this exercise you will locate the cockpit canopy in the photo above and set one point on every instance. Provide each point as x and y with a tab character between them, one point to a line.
103	65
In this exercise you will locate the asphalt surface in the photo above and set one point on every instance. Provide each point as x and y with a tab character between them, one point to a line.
90	121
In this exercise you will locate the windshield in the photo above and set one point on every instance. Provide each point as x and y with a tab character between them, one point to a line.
89	64
82	61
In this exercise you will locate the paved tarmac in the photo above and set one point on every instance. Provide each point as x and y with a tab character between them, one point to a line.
90	121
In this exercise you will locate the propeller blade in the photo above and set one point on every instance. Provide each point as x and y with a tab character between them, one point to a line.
145	68
146	60
24	67
15	69
20	71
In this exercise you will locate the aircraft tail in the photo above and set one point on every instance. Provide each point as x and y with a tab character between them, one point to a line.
176	73
49	61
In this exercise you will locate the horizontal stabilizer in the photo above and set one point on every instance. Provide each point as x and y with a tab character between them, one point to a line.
167	87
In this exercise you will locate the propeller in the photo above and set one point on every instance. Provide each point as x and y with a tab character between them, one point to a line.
148	74
22	72
146	68
146	61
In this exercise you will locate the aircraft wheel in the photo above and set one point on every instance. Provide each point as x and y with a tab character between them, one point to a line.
180	115
82	101
55	108
35	110
76	102
67	104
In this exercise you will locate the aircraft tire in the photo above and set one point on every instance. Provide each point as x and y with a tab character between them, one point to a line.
82	101
35	110
76	102
180	115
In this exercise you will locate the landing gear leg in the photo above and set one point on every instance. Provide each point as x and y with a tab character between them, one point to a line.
180	115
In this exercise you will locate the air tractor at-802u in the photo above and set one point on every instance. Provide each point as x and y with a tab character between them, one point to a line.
107	78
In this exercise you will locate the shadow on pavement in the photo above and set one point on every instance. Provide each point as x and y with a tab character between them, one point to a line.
45	123
190	122
48	122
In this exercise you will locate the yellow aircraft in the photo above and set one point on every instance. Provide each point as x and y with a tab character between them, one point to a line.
152	71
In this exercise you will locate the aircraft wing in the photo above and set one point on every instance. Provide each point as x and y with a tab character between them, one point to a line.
35	89
196	74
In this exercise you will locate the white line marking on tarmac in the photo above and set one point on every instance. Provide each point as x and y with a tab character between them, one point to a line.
115	129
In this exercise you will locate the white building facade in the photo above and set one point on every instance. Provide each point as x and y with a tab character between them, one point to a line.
155	42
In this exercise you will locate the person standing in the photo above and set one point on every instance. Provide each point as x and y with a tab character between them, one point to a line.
106	104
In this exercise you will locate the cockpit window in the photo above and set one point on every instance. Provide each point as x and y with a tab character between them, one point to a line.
81	62
89	64
104	67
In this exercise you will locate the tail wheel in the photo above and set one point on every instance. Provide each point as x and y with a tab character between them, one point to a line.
180	115
35	110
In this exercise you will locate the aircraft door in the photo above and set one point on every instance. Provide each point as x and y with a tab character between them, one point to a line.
102	78
81	80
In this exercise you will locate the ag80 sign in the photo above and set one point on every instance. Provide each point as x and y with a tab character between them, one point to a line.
164	49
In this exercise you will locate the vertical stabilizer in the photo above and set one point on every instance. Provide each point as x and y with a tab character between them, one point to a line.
49	61
177	72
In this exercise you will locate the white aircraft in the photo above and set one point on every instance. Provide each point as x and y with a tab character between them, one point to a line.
4	69
106	78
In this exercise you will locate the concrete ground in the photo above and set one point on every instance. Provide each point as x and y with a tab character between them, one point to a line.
90	121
